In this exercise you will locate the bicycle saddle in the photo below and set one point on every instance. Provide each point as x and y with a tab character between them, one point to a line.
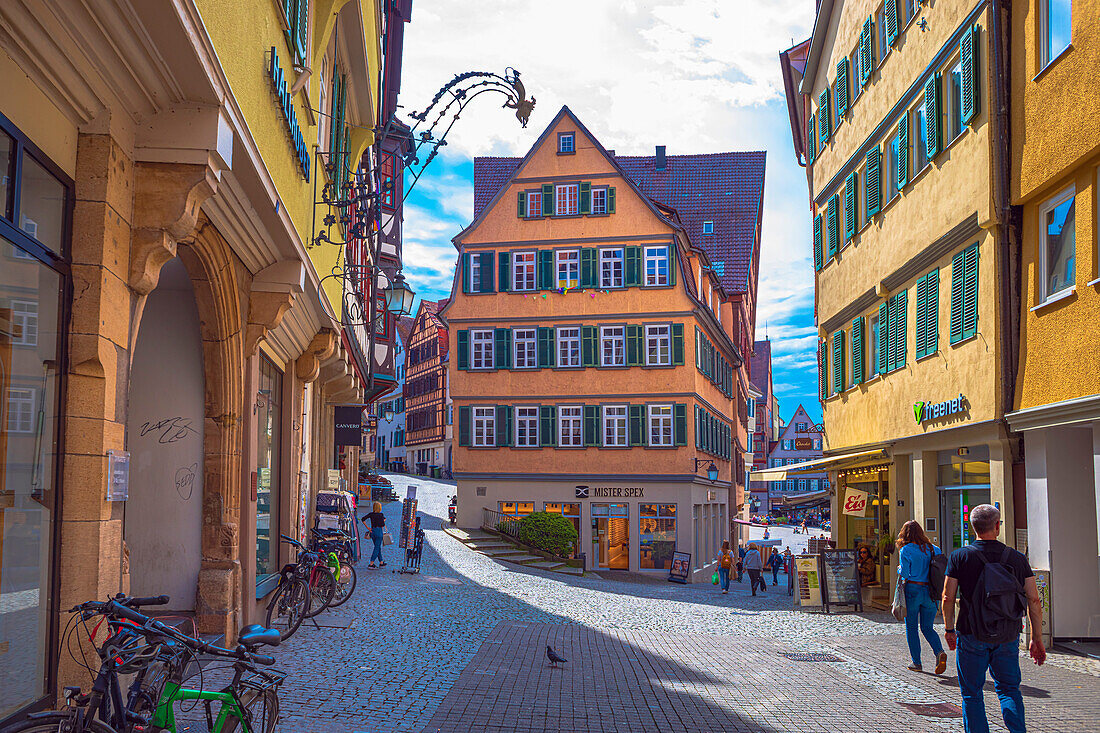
254	635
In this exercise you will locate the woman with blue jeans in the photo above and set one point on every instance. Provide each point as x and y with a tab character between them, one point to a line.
915	552
377	528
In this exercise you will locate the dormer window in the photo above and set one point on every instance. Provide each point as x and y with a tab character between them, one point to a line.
708	227
567	143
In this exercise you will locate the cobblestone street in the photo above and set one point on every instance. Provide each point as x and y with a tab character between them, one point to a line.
460	647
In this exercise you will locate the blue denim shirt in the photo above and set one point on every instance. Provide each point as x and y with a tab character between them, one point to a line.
914	562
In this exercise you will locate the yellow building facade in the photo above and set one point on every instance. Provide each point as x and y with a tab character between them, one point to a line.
592	361
1055	179
891	113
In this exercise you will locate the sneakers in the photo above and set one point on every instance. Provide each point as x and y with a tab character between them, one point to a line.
941	662
725	592
381	564
915	668
371	566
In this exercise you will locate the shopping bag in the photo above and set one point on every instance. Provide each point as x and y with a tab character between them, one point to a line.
714	578
387	538
898	607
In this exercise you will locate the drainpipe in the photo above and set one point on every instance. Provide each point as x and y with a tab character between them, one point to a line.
1007	229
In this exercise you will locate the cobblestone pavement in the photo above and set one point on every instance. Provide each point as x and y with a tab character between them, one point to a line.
459	647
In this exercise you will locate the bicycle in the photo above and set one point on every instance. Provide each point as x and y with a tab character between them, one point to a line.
336	546
160	663
313	567
290	603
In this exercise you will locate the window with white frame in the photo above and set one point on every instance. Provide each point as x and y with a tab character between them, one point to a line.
475	274
656	265
611	268
952	108
565	201
790	484
919	135
599	200
658	345
20	410
527	427
854	74
817	444
534	204
323	102
873	328
523	271
566	142
800	427
523	349
801	484
708	227
893	156
1058	243
484	419
481	349
570	419
568	263
1055	29
24	317
660	425
612	346
569	347
614	425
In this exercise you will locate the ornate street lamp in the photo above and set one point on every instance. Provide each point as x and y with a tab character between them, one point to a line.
712	470
399	296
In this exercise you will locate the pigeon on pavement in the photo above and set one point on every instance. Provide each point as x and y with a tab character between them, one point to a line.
553	657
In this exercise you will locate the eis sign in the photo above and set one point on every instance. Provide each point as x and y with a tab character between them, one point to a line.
925	411
286	104
855	503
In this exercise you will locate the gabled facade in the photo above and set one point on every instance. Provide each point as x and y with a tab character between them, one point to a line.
799	441
427	402
595	352
389	453
765	422
913	262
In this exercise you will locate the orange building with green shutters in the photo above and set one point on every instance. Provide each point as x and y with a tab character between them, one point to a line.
596	358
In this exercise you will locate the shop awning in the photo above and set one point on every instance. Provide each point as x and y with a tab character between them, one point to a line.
813	497
830	463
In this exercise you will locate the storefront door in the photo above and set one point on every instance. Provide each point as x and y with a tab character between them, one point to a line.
955	506
611	535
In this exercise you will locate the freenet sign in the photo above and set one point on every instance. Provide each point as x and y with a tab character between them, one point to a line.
925	411
286	103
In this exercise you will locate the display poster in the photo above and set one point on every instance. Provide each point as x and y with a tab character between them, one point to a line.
407	539
840	579
303	502
855	502
809	581
1042	582
333	479
681	567
118	475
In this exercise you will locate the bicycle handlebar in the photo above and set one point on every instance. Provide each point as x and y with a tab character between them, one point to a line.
294	542
161	600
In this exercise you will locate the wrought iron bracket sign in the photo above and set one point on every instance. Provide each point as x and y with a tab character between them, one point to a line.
286	105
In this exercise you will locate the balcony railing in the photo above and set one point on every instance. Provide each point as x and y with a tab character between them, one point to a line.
494	521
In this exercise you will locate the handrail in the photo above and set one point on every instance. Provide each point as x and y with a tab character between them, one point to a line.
495	521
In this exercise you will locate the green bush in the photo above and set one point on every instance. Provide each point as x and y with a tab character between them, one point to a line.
551	533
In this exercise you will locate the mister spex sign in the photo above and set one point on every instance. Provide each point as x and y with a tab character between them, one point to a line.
925	411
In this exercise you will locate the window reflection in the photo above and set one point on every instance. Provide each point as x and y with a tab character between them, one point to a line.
267	469
41	204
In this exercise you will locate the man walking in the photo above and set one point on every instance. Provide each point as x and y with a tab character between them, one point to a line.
988	632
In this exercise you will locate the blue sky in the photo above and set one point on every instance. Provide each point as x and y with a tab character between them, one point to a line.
698	76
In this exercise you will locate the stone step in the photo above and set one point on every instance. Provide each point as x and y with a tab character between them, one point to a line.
569	570
482	546
522	559
476	534
545	565
503	552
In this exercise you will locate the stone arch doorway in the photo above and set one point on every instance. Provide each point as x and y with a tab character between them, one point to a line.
165	436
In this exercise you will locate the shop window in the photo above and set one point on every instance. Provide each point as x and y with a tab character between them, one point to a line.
572	512
612	346
611	268
1058	244
517	508
657	536
41	204
268	440
1055	29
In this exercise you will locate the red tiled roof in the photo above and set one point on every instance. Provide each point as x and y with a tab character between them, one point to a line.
726	188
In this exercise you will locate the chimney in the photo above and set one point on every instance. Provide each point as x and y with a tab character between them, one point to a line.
660	162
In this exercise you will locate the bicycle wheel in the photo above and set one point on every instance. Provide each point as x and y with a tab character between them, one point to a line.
261	711
346	588
322	591
288	607
52	722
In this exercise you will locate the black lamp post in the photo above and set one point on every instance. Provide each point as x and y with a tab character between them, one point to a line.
712	470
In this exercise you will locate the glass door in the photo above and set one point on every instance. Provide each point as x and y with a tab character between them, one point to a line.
611	535
955	506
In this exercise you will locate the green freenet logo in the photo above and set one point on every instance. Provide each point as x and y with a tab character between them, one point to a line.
918	411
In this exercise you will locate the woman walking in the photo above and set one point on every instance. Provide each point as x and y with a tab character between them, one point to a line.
377	529
775	562
915	552
754	566
725	565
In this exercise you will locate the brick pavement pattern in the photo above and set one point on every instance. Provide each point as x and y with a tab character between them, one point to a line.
461	647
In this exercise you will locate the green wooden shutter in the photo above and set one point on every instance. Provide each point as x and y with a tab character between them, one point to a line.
867	51
634	346
932	124
970	292
969	48
589	271
883	336
504	271
500	424
811	139
677	344
932	312
824	119
850	210
591	424
546	347
521	204
301	30
589	346
872	181
487	272
673	264
333	111
679	423
842	87
857	350
502	348
891	21
821	376
466	264
838	362
903	151
902	331
611	200
818	235
546	269
920	310
548	199
585	202
832	234
637	425
633	266
892	334
464	426
463	349
548	429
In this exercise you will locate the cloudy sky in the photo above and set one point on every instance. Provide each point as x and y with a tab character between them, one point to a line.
699	76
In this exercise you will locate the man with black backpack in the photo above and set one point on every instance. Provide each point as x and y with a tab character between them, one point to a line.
996	588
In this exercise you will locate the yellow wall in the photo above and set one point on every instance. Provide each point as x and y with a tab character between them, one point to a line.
1057	145
35	115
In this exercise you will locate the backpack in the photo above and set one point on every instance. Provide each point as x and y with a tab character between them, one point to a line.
937	571
998	603
726	561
